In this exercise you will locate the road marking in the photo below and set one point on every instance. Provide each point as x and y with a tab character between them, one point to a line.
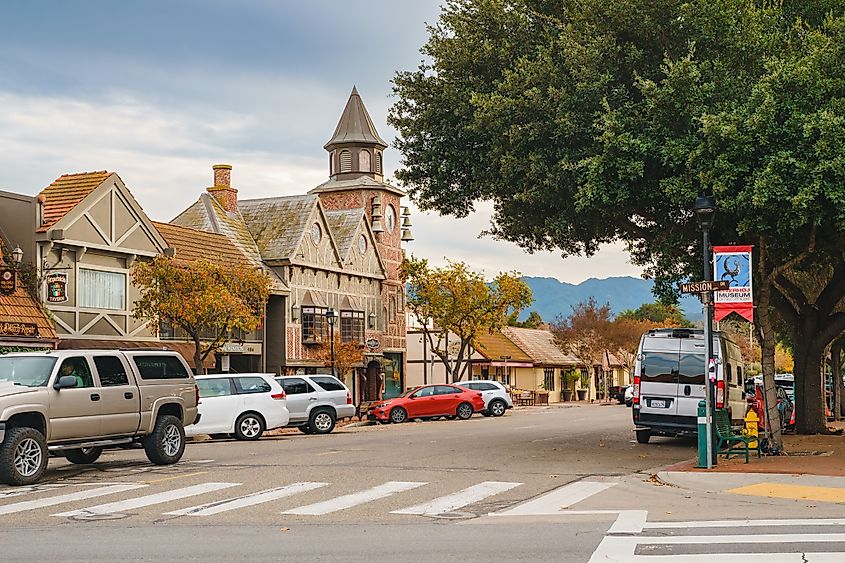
249	500
20	491
176	477
526	427
70	497
555	501
348	501
797	492
460	499
741	523
622	548
148	500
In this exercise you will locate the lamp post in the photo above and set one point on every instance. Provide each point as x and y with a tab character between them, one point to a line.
507	375
705	211
331	317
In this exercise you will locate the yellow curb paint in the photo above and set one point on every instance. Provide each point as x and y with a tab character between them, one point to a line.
796	492
175	477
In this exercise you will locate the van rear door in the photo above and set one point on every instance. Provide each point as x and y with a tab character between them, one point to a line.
658	376
691	377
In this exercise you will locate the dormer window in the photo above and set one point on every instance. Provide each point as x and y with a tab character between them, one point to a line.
364	160
345	161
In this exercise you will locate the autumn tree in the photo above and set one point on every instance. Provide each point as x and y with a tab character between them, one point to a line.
624	335
585	332
348	355
453	300
586	122
211	302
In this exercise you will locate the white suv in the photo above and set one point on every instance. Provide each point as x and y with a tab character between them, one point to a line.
496	397
316	402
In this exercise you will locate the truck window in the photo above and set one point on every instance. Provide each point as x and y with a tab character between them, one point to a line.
111	371
160	367
77	368
660	367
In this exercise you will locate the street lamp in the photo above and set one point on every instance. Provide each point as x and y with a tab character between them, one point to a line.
17	255
331	317
705	211
507	375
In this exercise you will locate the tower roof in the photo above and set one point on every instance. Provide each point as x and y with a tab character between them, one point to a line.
355	125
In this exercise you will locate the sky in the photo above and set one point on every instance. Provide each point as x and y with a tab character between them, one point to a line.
160	91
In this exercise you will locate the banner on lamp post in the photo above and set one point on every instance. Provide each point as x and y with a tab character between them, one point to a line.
733	264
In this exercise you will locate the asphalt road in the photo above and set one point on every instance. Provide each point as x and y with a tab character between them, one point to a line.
537	484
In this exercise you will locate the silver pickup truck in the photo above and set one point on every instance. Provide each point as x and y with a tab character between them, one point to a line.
74	403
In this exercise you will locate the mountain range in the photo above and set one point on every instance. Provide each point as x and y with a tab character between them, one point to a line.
553	298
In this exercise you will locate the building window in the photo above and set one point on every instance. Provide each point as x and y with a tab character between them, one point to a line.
392	309
345	161
316	234
549	379
314	325
378	162
364	160
352	326
102	290
485	372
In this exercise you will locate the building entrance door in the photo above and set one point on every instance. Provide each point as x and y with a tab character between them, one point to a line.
371	389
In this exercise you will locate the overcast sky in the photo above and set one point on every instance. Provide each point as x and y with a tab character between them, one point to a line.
160	91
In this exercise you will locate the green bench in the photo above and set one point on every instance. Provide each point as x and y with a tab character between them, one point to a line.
732	441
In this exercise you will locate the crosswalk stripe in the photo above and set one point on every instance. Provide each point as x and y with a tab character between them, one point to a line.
70	497
746	523
558	499
460	499
354	499
248	500
148	500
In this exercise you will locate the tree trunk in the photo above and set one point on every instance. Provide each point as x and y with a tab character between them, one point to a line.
809	414
199	369
767	343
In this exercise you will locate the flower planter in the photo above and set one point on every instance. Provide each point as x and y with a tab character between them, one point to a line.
567	396
582	394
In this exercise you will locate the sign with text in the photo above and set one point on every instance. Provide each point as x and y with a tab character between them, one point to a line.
57	288
18	329
733	265
7	281
704	286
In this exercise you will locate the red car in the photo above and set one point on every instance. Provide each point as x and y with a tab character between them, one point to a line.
428	401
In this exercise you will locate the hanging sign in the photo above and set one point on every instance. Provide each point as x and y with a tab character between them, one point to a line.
18	329
733	264
7	281
56	287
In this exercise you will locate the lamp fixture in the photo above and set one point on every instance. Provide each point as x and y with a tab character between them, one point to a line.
331	317
17	255
705	210
371	320
294	313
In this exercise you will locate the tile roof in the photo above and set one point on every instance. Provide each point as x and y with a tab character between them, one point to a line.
193	244
66	192
344	224
494	346
277	224
20	307
539	345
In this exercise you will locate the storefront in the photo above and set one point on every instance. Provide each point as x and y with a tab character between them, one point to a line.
23	324
394	380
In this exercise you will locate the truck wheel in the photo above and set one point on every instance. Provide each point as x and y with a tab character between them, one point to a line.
23	456
643	436
83	456
166	444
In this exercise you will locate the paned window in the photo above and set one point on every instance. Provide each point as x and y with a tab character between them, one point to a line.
102	290
549	379
352	326
314	325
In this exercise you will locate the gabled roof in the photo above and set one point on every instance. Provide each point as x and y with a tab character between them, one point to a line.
277	224
344	224
495	345
540	346
193	244
355	125
20	307
66	192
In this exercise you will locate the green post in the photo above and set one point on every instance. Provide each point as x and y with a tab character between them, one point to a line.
702	435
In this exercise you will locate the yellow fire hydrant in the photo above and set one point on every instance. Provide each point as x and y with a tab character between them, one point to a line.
751	422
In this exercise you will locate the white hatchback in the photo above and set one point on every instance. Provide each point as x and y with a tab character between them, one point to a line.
242	405
496	397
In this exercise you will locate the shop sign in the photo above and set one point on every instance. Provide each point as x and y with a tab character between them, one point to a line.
18	329
373	343
56	288
232	348
7	281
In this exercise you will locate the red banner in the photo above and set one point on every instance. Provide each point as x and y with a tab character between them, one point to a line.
733	264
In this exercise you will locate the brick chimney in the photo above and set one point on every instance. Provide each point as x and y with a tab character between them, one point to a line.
222	189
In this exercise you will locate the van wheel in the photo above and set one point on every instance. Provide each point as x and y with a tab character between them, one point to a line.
321	421
83	456
643	436
166	443
23	456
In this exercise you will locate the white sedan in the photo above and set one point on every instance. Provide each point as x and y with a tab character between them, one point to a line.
242	405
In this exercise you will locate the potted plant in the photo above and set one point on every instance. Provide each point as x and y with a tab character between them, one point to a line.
568	380
585	386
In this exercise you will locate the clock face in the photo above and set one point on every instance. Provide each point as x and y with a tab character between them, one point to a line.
362	244
316	233
390	218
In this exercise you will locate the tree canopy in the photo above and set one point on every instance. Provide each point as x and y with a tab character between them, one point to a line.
660	314
591	121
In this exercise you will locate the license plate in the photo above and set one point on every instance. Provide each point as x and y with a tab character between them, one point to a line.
657	404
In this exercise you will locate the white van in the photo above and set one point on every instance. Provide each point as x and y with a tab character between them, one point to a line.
669	379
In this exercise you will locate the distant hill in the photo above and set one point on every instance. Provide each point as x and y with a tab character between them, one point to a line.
553	297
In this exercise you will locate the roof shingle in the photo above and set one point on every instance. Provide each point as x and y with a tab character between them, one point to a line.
540	346
66	192
193	244
20	307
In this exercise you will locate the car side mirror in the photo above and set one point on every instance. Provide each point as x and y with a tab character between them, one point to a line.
64	382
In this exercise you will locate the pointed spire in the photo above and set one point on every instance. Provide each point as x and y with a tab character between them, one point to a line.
355	125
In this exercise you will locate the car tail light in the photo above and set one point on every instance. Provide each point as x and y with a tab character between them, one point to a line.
720	394
278	396
636	399
348	398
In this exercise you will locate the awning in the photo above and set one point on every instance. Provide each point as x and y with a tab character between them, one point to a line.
184	348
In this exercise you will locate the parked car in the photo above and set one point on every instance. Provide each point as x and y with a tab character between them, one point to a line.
617	392
316	402
629	396
428	401
785	405
243	406
497	400
75	403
